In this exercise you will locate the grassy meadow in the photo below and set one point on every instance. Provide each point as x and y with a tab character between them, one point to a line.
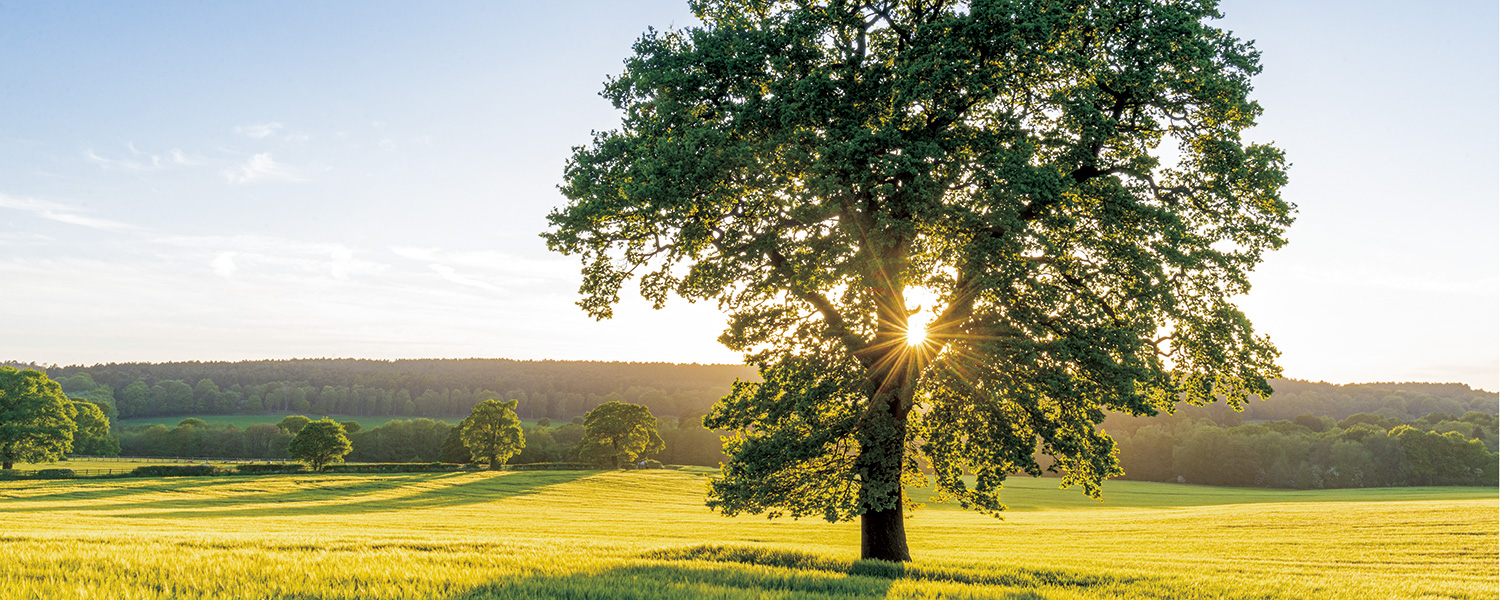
645	534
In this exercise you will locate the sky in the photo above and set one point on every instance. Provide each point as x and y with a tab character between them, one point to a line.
230	181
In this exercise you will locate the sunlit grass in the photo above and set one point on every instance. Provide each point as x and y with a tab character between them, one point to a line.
646	535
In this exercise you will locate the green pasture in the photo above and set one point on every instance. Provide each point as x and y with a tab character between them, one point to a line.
645	534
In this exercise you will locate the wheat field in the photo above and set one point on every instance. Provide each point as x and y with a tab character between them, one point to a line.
646	534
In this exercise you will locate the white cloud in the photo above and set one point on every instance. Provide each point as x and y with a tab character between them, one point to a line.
223	264
61	213
258	131
343	261
262	167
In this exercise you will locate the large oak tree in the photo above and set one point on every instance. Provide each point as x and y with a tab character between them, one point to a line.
36	423
1064	181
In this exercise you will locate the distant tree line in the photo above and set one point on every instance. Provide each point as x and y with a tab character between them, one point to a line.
1308	435
1310	452
175	397
427	387
685	441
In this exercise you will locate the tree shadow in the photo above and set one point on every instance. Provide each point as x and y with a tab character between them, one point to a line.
322	495
437	490
100	493
996	576
732	573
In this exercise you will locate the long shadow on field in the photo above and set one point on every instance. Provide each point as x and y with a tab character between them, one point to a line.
434	490
999	576
728	572
100	493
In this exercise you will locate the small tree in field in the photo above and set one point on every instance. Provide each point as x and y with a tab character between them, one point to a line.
319	444
619	431
493	432
35	421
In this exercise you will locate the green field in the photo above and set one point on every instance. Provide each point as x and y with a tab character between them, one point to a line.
645	534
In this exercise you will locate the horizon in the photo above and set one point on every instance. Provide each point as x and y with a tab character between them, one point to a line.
632	362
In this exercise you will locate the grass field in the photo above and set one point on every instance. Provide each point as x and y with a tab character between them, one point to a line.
645	534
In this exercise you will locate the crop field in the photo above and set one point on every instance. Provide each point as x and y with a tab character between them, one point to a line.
645	534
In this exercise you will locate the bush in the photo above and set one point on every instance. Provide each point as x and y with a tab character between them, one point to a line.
436	467
555	466
55	474
176	471
260	469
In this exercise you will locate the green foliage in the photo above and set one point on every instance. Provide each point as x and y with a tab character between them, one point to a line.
294	423
1283	454
617	432
541	447
263	469
453	449
814	168
92	438
392	468
405	388
492	433
55	474
177	471
36	423
319	443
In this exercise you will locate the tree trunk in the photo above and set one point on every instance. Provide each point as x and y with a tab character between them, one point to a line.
882	532
8	465
882	535
494	462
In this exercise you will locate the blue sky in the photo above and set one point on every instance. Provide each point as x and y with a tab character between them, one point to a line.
223	181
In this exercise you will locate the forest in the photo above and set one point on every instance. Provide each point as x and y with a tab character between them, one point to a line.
1307	435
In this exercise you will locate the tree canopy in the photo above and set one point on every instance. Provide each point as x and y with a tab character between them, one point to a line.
91	436
36	422
619	432
1058	187
492	432
319	444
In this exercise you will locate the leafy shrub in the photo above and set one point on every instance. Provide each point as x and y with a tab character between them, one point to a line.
55	474
555	466
176	471
435	467
258	469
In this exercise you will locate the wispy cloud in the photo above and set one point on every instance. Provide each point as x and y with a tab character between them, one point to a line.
61	213
258	131
262	167
147	162
1355	277
515	269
